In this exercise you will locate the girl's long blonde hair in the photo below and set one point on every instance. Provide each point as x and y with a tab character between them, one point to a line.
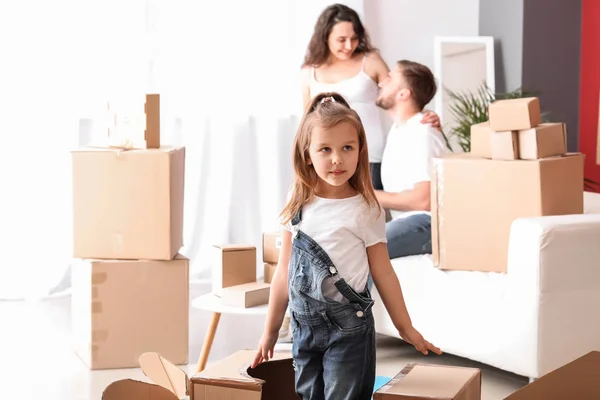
326	110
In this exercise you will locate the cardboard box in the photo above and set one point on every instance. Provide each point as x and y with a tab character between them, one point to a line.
432	382
515	114
545	140
576	380
481	140
505	145
271	245
474	202
269	271
117	305
132	127
230	379
128	204
246	295
232	265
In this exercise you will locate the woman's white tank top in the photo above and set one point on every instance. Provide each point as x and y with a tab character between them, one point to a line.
361	93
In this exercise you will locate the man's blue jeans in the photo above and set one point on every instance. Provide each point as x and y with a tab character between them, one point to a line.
409	236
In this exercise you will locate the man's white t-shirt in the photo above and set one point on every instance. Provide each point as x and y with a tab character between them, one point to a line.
407	157
344	228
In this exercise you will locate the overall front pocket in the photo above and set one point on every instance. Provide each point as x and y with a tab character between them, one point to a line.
349	319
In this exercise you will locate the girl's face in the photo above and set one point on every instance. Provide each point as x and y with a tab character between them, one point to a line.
342	40
334	154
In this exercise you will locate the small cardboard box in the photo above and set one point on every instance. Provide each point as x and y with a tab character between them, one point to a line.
246	295
432	382
130	127
545	140
515	114
116	306
128	204
269	271
474	202
230	379
579	379
481	140
232	265
505	145
271	245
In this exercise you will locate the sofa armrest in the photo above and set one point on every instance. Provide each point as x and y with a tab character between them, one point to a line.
554	288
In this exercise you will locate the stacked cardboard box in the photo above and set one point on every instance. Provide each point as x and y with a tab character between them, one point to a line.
518	167
127	277
234	276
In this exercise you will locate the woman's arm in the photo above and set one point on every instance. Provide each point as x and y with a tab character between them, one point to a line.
376	68
305	82
278	301
390	291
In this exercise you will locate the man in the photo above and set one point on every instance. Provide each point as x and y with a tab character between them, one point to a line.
406	163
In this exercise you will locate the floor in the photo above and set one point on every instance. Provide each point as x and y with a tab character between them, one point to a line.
36	360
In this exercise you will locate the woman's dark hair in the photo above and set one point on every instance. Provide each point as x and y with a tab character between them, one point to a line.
318	50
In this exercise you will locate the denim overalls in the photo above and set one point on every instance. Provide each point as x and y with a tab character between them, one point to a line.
334	342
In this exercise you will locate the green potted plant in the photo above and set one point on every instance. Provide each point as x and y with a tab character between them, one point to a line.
469	108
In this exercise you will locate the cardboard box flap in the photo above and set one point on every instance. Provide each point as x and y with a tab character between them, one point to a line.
234	247
428	381
165	374
234	371
579	379
129	389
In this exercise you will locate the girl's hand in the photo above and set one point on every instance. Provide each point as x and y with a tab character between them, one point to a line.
429	117
413	337
265	348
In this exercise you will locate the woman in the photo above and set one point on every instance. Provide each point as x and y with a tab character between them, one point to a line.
340	58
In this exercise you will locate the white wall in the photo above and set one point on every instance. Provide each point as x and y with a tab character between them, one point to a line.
404	29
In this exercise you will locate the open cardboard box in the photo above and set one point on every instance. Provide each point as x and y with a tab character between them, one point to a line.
230	379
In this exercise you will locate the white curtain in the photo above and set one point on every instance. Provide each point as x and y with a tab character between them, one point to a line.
227	73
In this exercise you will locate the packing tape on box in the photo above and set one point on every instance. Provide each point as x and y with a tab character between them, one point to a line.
99	278
96	307
99	335
405	371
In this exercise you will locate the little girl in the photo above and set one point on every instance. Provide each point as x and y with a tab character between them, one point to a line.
334	236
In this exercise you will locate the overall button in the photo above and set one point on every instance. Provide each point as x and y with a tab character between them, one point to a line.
360	314
332	270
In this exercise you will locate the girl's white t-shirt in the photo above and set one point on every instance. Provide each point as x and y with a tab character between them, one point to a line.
344	228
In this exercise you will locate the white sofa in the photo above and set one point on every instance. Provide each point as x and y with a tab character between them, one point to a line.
541	314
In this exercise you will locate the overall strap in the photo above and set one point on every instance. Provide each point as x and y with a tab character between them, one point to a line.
297	218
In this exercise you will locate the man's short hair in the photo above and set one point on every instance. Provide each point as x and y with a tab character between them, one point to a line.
420	80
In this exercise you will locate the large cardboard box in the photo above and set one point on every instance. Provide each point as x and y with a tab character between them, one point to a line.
580	379
128	204
232	265
117	305
230	379
432	382
474	201
545	140
515	114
